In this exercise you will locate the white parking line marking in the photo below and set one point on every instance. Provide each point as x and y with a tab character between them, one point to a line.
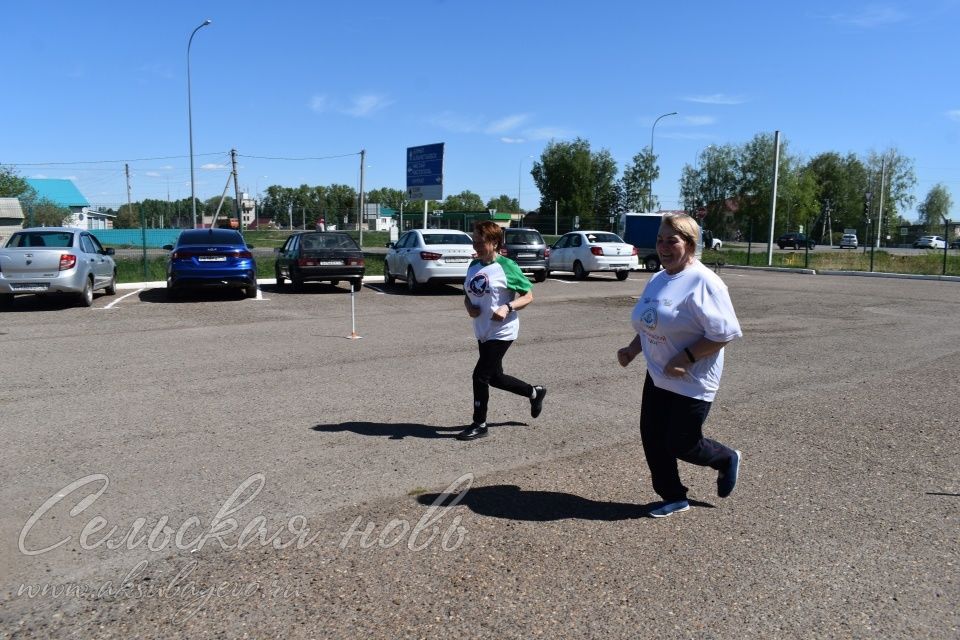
260	296
121	298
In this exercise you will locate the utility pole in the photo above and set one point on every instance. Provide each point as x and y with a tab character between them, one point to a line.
883	178
773	198
556	209
363	216
236	190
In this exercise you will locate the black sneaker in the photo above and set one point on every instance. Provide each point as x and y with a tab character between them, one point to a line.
473	432
536	404
727	480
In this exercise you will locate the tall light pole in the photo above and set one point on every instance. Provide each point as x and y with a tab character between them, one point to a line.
519	174
650	181
193	197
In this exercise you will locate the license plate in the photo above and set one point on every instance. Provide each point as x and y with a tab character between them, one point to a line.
30	287
618	266
451	260
212	258
526	255
329	263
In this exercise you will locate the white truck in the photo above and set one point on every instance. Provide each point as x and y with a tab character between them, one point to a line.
55	260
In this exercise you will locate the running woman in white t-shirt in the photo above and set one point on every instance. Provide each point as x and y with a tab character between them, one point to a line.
495	290
683	320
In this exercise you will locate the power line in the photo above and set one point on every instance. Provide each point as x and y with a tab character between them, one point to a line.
345	155
50	164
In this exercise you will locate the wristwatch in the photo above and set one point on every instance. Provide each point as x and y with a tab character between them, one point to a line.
510	307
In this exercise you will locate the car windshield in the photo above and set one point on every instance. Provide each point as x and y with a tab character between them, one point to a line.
56	239
331	241
603	237
523	237
447	238
210	236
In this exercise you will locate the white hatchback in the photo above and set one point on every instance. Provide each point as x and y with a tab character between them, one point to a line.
584	251
425	256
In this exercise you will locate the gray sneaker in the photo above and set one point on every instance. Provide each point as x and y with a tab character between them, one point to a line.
669	508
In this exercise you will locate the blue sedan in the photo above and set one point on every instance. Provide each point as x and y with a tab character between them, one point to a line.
210	258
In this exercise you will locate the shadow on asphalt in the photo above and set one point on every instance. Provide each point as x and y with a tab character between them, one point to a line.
159	294
513	503
400	288
395	431
308	288
47	302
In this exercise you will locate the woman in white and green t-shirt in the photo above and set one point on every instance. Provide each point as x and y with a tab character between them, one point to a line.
495	290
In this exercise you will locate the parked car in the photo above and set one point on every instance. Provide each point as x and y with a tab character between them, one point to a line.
59	260
930	242
709	242
527	248
795	240
427	256
955	243
848	241
320	256
203	258
584	251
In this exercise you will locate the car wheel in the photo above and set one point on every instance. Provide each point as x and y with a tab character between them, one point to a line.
356	285
540	276
812	245
297	283
412	284
6	301
250	291
111	289
651	263
622	275
86	296
578	271
387	276
276	271
335	283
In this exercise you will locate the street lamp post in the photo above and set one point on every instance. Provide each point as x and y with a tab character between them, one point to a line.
193	197
519	175
650	181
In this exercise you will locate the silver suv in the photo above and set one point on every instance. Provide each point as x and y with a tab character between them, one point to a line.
848	241
527	248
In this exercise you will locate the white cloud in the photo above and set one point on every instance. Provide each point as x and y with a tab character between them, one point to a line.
367	105
548	133
152	174
507	123
871	16
954	115
318	103
699	121
212	166
166	167
512	140
716	98
454	122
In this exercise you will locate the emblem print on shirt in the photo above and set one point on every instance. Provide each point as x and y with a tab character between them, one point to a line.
649	318
479	284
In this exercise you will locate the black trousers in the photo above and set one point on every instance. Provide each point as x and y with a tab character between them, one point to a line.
671	426
489	372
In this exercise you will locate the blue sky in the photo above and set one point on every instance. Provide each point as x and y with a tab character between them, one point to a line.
494	80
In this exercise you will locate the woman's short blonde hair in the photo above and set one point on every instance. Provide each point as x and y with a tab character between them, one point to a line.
684	226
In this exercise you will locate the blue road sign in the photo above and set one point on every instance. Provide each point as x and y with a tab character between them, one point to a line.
425	172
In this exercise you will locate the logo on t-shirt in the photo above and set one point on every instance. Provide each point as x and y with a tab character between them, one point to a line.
479	284
649	318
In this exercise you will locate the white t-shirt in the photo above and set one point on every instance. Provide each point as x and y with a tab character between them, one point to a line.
675	311
489	287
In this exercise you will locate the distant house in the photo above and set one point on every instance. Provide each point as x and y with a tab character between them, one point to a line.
11	218
65	194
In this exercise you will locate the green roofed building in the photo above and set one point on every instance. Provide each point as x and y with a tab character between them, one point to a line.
65	194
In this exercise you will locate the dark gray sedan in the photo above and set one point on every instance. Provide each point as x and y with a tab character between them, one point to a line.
320	256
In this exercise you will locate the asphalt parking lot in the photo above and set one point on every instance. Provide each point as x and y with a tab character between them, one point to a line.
842	396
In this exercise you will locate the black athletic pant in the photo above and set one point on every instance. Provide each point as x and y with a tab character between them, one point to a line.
671	426
489	372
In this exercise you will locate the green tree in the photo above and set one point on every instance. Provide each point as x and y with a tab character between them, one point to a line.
899	181
46	213
387	197
636	182
708	190
580	182
503	203
464	201
935	207
11	184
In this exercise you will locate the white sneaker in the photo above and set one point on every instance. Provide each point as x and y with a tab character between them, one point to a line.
669	508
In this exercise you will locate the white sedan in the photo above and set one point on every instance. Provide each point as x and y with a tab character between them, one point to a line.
424	256
584	251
